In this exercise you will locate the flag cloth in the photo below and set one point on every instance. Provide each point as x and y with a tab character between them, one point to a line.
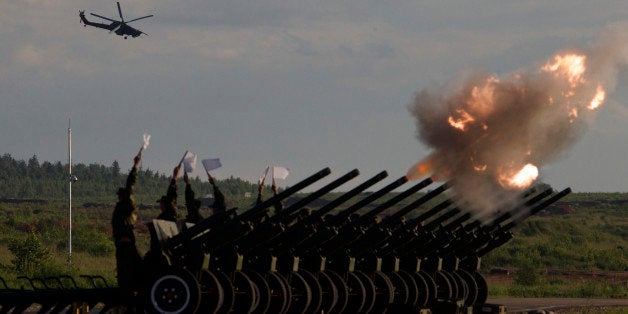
263	176
146	140
189	161
280	172
211	164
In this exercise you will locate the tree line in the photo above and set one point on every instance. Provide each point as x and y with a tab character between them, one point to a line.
32	179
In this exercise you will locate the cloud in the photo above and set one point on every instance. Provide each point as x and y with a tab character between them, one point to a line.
29	55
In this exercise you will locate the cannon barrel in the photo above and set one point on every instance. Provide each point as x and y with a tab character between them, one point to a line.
221	220
415	188
440	219
474	234
274	226
492	239
284	216
452	226
316	215
316	237
386	241
353	236
475	225
259	209
426	215
509	214
537	208
410	207
302	230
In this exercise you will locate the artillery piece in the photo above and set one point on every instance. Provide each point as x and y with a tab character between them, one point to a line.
253	262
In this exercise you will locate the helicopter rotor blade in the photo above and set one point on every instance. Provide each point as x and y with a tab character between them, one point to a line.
102	17
139	18
120	11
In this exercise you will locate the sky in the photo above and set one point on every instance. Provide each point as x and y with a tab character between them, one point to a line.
299	84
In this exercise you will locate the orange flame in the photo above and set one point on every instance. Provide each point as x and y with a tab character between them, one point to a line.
571	65
521	179
600	95
481	99
461	122
421	169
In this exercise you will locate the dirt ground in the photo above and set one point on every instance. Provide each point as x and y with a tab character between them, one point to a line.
560	305
563	305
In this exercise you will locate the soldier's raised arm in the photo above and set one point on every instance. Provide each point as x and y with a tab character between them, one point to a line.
219	198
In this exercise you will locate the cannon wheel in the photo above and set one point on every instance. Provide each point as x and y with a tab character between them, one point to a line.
471	285
463	289
329	292
402	291
317	291
175	291
212	293
343	291
455	289
369	286
431	286
482	288
279	292
263	291
413	288
244	291
228	289
384	291
301	293
357	293
443	286
426	292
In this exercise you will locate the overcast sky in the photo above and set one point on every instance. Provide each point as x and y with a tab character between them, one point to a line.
300	84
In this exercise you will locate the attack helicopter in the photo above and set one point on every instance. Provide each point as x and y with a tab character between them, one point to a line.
121	27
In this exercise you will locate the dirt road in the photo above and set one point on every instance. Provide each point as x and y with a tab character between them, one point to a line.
523	305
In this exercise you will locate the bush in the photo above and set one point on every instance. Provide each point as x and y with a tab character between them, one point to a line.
30	255
527	275
90	241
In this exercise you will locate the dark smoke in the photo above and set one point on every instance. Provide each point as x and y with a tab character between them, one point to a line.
531	116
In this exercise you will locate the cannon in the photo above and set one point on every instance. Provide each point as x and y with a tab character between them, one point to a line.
332	260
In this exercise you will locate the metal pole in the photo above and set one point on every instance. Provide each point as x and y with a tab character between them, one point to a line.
70	194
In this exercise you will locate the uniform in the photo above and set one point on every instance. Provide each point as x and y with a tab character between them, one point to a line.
170	203
128	259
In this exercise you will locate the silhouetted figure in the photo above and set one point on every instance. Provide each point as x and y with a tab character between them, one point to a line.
192	204
278	206
128	259
219	204
168	202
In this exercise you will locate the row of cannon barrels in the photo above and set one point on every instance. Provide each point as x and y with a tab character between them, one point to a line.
288	262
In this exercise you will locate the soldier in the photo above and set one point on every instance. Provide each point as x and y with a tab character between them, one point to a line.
278	206
219	199
128	259
168	202
193	205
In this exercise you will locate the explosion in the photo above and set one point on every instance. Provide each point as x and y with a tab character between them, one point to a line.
491	135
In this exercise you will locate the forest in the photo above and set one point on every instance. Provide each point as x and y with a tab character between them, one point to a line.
97	184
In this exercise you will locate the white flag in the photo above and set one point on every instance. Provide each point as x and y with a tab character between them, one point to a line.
280	172
263	176
189	161
146	141
211	164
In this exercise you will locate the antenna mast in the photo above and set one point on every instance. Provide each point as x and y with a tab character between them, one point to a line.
71	178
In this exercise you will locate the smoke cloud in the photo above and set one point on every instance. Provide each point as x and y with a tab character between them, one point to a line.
489	134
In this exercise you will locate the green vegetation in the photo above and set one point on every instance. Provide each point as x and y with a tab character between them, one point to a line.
588	239
33	229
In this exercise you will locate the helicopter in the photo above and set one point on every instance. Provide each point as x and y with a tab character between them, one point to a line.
121	28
